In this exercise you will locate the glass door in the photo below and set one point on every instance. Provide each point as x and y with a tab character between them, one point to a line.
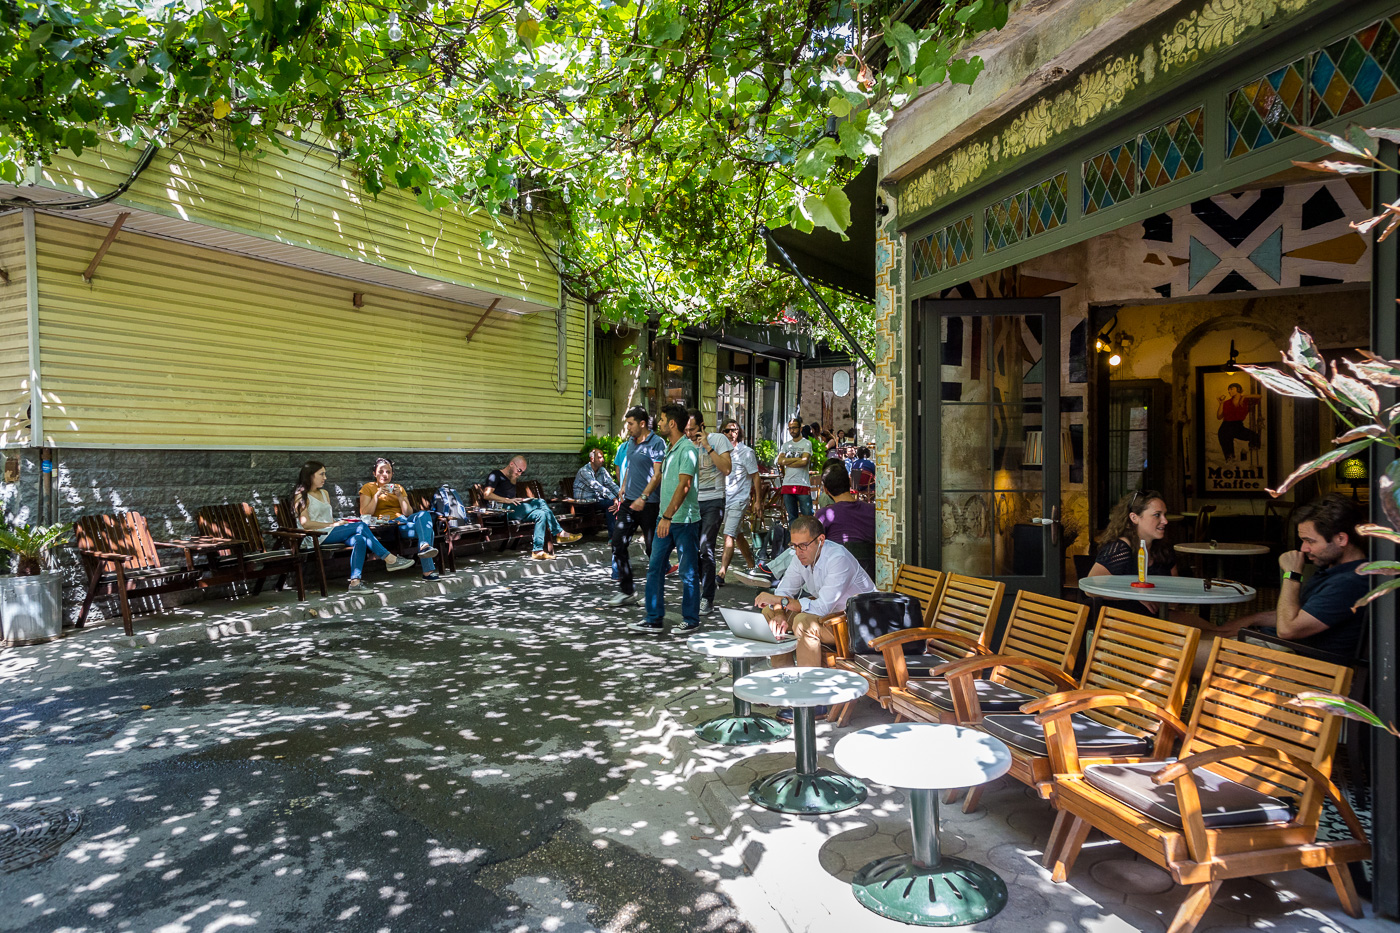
990	440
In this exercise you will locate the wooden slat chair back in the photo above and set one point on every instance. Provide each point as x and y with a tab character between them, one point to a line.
1043	636
1142	655
232	521
967	606
923	584
126	533
1244	729
1139	656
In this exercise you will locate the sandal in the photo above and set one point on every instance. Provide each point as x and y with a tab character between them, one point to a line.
432	575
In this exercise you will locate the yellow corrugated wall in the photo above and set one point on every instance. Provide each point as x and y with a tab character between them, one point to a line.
14	335
178	346
306	197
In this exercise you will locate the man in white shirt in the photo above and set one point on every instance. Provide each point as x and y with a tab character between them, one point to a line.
795	457
742	491
823	568
713	469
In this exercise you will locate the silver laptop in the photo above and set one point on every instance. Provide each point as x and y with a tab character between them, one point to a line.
745	623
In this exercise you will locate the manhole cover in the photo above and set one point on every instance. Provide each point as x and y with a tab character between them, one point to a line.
34	835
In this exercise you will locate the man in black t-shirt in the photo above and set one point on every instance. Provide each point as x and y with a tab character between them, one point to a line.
504	486
1319	613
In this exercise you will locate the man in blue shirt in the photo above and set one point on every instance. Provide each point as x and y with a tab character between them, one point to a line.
640	456
1318	613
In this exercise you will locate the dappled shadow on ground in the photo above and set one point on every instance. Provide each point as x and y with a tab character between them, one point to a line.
374	772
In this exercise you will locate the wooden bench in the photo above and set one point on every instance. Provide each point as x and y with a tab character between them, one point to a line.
120	557
591	512
258	560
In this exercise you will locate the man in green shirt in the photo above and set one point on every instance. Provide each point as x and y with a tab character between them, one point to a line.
678	525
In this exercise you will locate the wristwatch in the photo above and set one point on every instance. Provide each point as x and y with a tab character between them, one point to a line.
1292	575
785	602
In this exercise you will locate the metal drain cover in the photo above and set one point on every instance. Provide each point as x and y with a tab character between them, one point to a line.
31	836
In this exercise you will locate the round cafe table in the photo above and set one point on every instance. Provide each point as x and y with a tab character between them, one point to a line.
1166	590
806	788
743	726
926	888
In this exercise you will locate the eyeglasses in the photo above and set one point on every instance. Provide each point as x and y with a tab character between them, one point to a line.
804	545
731	430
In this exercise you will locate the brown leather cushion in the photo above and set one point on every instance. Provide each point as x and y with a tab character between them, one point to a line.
1223	801
919	665
994	697
1095	740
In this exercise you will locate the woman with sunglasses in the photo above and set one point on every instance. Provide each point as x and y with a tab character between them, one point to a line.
387	501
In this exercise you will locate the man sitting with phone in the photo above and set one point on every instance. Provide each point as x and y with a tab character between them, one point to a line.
824	568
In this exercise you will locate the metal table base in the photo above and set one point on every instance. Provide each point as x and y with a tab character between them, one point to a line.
928	888
807	788
743	726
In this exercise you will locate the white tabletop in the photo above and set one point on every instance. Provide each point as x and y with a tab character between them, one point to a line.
923	755
1221	550
728	645
809	686
1167	590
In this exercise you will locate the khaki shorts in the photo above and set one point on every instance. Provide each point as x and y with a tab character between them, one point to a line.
734	515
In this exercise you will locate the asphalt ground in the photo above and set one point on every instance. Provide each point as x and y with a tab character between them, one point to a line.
398	769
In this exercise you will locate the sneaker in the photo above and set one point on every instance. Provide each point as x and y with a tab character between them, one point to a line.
754	578
685	628
427	550
674	568
566	537
541	555
620	600
647	628
707	607
395	562
357	584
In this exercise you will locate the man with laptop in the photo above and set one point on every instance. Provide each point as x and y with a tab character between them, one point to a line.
828	574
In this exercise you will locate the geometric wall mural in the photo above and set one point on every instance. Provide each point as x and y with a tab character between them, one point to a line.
1282	237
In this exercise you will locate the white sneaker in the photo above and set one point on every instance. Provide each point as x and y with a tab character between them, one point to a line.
620	600
707	607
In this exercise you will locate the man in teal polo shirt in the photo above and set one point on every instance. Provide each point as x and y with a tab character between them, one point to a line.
678	525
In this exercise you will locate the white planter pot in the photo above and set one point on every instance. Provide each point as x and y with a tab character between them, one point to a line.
31	608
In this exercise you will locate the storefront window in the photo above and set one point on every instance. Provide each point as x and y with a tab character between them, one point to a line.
751	391
683	374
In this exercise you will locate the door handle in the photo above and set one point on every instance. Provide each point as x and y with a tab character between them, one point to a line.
1053	521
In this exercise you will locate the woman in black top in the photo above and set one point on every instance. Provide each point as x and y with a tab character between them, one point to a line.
1141	516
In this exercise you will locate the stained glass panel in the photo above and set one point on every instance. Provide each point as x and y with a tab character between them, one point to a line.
1110	177
1256	113
1172	150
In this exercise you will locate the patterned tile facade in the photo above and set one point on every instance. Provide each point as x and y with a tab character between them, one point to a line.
1256	113
1356	71
1110	177
1172	151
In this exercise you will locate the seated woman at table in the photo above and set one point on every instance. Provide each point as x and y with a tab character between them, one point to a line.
387	501
1140	516
311	505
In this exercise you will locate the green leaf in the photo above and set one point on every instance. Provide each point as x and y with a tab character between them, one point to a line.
831	210
965	71
1336	167
1375	594
1327	139
1321	463
904	41
838	106
1384	568
1379	531
1279	382
1389	135
1388	487
39	35
528	29
1376	371
488	239
1337	704
1356	395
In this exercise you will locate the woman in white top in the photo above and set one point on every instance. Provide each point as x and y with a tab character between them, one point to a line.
311	505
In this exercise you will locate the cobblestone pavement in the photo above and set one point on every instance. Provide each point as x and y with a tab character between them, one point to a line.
504	758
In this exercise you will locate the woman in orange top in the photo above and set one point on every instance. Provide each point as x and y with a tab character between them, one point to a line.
388	501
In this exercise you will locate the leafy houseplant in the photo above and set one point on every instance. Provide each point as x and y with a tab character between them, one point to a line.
766	451
607	443
31	545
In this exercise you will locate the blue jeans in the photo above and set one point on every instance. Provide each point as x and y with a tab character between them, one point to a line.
686	539
360	539
421	527
797	504
539	512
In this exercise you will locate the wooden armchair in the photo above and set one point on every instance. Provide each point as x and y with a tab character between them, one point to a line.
920	583
1244	798
960	624
1143	658
255	558
451	533
287	521
498	521
120	556
1043	633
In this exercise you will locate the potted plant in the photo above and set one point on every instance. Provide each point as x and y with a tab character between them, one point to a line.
31	601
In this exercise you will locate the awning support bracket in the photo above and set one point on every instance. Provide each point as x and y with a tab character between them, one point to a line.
830	315
482	320
106	244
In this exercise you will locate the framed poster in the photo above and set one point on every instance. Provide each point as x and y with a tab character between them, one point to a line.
1235	452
